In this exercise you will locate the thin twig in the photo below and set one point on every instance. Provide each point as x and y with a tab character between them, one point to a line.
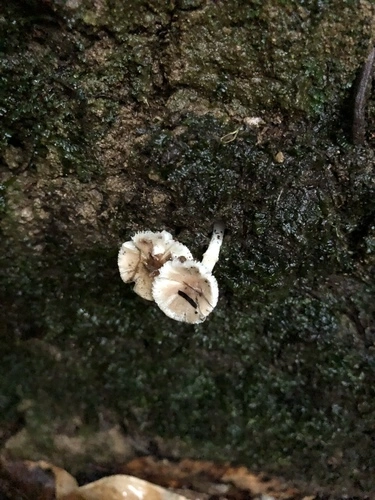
361	98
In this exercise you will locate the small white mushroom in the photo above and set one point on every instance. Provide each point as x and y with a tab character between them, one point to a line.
185	290
140	259
211	255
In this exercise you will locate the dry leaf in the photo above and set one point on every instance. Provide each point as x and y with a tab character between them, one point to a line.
120	487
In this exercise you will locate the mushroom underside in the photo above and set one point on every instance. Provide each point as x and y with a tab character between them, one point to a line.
185	291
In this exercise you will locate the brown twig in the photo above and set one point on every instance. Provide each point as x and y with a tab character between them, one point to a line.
361	98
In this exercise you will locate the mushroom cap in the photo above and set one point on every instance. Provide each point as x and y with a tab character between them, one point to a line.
160	246
185	291
152	243
131	267
143	286
129	258
140	259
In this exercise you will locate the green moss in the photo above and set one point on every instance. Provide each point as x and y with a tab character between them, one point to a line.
278	370
44	105
280	376
270	54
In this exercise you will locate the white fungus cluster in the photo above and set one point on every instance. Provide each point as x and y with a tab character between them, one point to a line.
165	271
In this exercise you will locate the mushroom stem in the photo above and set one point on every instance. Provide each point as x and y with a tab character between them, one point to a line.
211	256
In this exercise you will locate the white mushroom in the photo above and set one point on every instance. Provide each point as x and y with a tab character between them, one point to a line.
211	255
140	259
164	270
185	290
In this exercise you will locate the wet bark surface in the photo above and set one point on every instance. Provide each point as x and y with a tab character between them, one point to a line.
170	115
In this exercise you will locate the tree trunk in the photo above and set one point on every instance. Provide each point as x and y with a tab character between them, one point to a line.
120	117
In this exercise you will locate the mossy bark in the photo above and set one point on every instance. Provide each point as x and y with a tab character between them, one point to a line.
119	117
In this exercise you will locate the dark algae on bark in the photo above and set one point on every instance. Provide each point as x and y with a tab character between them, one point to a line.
170	115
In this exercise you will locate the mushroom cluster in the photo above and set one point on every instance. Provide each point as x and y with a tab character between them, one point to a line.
165	271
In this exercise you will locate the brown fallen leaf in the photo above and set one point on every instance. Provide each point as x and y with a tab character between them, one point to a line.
208	477
34	480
